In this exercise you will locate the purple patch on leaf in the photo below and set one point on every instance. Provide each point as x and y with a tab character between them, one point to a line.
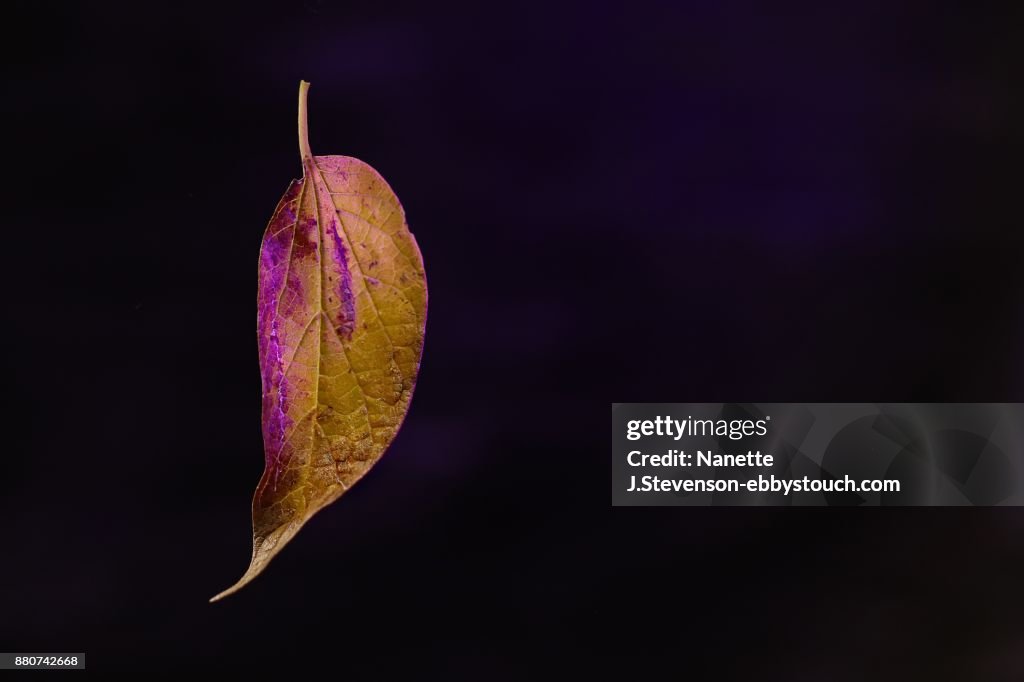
345	317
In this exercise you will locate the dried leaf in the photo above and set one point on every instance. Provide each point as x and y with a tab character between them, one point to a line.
342	311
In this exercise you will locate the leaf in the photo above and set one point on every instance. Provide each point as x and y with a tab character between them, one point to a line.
341	317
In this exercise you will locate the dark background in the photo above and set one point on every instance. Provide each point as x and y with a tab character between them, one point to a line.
635	202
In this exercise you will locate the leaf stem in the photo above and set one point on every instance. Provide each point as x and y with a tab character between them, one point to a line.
304	150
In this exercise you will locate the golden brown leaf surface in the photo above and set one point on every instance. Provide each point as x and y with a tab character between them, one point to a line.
342	312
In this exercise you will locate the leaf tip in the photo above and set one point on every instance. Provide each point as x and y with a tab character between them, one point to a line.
231	590
217	597
254	569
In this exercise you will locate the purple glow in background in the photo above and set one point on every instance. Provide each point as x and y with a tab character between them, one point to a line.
635	202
